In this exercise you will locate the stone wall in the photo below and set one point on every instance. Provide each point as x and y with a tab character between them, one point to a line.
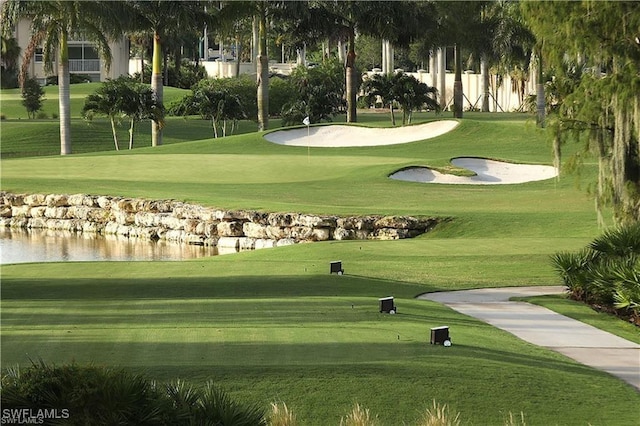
180	222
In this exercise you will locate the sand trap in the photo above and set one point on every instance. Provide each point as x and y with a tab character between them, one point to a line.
488	172
336	135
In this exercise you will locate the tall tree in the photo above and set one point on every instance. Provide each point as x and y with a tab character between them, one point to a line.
605	107
508	46
263	13
398	22
123	97
162	17
53	23
460	25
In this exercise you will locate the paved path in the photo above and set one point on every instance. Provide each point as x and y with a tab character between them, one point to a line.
540	326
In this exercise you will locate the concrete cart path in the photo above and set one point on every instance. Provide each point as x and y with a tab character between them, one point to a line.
540	326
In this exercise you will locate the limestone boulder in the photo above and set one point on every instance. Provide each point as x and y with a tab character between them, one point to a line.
35	200
254	230
5	211
57	200
104	202
56	212
81	200
357	223
13	199
20	211
230	229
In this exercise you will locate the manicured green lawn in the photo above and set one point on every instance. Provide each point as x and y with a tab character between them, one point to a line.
11	100
276	332
273	325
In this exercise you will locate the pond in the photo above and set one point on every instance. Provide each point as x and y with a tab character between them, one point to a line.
23	246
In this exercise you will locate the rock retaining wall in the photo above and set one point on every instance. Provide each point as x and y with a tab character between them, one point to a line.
180	222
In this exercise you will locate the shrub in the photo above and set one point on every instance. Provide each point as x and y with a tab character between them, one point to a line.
84	395
216	407
606	273
89	395
319	93
32	96
188	75
281	92
73	79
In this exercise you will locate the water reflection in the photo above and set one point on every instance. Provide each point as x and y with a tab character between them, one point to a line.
22	246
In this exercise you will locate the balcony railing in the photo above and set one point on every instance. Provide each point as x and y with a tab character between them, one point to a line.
84	65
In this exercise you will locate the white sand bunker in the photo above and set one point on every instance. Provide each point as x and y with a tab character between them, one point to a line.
336	135
487	172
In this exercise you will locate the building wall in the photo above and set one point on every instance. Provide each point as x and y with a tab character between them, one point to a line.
119	61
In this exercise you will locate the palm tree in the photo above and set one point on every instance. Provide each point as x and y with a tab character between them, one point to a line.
412	95
381	86
161	17
53	24
263	13
509	43
124	97
10	56
458	20
389	20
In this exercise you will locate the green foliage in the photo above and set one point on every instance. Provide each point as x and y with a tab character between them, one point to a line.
32	96
401	89
122	97
8	78
97	395
588	45
185	77
281	93
10	53
90	394
211	102
606	273
74	78
217	407
319	93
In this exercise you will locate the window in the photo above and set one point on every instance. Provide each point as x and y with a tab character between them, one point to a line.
39	55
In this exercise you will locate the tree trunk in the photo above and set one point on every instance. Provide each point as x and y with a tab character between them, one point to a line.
238	47
131	128
457	85
484	65
263	73
255	42
64	103
142	65
350	78
156	86
540	101
113	132
393	116
215	127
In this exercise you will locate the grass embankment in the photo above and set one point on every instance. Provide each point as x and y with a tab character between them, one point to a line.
273	325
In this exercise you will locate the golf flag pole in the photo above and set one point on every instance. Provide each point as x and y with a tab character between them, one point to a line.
306	122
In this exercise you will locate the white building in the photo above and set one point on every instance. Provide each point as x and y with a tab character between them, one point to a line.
83	58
